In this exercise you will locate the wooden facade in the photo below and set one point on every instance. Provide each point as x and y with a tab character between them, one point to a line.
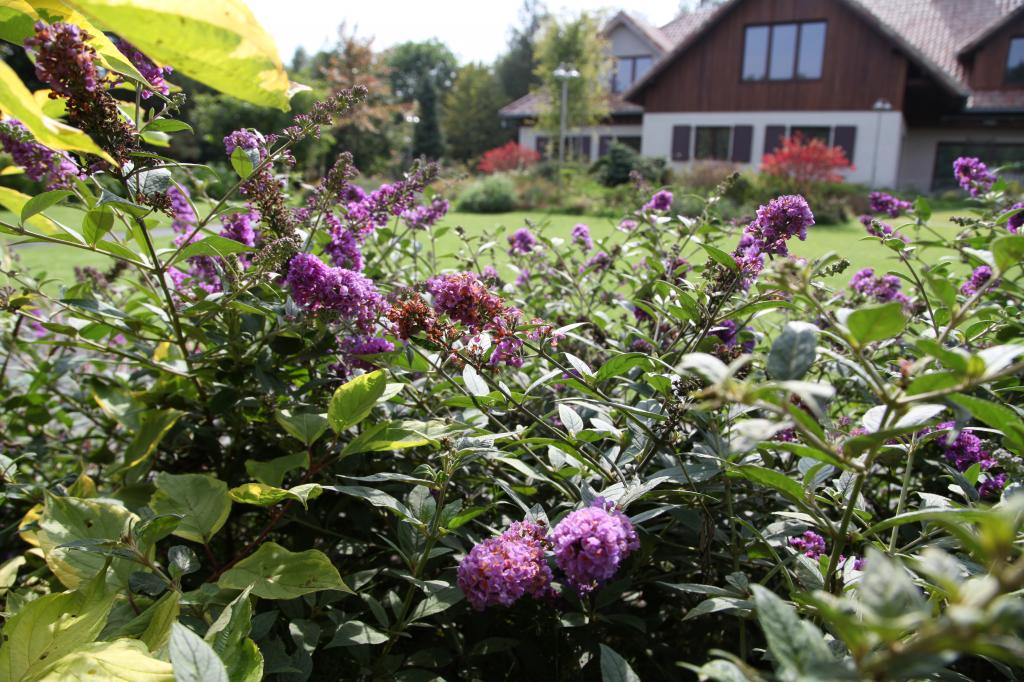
860	65
986	65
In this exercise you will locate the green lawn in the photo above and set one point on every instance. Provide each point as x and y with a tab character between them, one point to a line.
847	239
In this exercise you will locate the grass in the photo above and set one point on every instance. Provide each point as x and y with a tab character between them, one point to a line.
846	239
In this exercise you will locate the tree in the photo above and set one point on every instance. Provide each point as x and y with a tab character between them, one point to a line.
470	118
577	43
515	70
422	72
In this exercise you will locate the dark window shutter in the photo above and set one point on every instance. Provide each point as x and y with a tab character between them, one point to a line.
604	143
680	143
742	137
585	147
541	145
773	136
845	137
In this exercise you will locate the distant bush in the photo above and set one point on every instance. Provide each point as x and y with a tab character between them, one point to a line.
508	157
495	194
615	167
806	162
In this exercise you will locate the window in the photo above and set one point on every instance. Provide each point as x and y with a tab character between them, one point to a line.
992	153
629	70
1015	61
712	142
823	133
782	52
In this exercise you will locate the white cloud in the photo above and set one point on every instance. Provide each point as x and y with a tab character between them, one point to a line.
475	30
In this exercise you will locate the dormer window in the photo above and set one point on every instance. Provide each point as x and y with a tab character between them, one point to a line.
1015	62
783	52
629	70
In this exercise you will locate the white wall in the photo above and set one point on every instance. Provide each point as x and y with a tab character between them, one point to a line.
881	131
528	136
626	43
920	144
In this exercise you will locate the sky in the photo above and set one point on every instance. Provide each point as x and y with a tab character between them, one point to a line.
475	30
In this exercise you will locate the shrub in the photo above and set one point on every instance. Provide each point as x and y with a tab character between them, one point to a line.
506	158
621	161
494	194
317	436
804	163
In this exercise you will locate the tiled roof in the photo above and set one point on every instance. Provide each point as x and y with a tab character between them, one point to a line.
654	34
530	105
687	23
995	100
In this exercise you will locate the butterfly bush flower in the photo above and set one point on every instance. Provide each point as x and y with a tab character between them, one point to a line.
888	204
499	571
876	228
661	201
425	216
581	237
354	346
628	225
521	242
343	248
599	262
978	279
56	169
153	74
882	289
490	274
316	286
810	544
591	543
964	450
973	175
465	299
1014	223
523	278
778	221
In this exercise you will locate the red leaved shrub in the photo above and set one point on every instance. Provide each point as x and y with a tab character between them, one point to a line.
806	162
508	157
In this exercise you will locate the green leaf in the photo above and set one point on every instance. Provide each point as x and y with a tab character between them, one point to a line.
219	44
614	668
167	125
305	427
151	432
1008	251
181	561
391	436
475	383
53	625
272	472
771	478
244	161
264	495
572	421
721	257
164	614
797	646
923	209
123	660
353	633
17	102
353	400
193	659
41	202
997	416
228	637
620	364
876	322
887	590
212	245
156	528
201	499
97	223
793	353
275	573
377	498
71	519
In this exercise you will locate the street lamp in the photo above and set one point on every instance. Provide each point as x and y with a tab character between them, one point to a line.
564	74
880	105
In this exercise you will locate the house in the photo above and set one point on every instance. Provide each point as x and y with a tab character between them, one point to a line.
904	86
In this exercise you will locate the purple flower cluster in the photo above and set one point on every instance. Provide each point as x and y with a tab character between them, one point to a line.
676	268
978	279
464	298
628	225
490	274
344	247
888	204
581	237
154	74
973	175
54	168
499	571
661	201
876	228
810	544
599	262
964	451
781	219
64	59
728	332
521	242
315	287
1016	221
427	215
375	209
591	543
354	347
882	289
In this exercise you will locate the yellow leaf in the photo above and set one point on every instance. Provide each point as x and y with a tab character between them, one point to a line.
54	108
217	43
13	201
123	660
31	516
16	101
161	351
17	19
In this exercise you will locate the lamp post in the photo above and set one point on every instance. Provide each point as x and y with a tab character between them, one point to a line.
880	105
413	120
564	74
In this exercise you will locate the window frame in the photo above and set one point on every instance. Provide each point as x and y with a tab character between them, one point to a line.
632	58
730	131
799	23
1006	63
